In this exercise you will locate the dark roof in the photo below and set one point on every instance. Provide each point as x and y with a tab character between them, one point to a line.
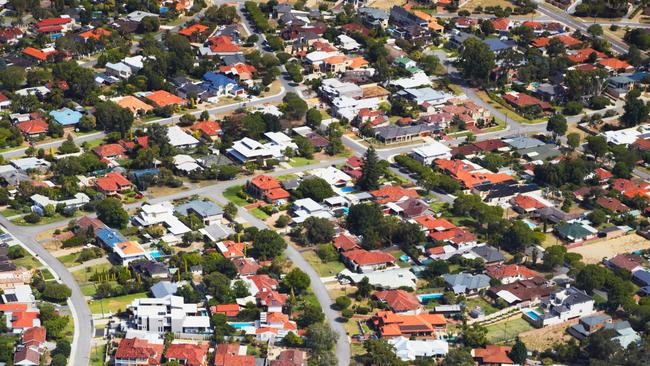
489	253
150	268
506	189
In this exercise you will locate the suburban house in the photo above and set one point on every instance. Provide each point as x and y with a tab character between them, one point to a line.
466	283
113	183
169	314
509	273
188	354
267	188
208	211
400	301
364	261
425	325
562	305
431	152
139	351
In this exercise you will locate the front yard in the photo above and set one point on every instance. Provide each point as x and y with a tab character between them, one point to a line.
324	269
231	195
114	304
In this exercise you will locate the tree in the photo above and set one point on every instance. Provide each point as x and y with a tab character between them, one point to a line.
487	27
297	280
343	302
370	172
597	217
305	148
68	146
314	118
12	77
111	213
429	64
311	314
474	335
379	352
268	244
363	288
111	117
222	15
635	110
595	30
230	211
518	237
16	251
557	124
59	360
293	106
476	61
554	256
315	188
88	122
519	353
573	140
319	230
458	357
597	145
56	292
62	348
321	340
149	24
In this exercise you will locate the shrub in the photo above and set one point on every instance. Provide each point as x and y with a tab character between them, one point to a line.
347	313
343	302
32	218
572	108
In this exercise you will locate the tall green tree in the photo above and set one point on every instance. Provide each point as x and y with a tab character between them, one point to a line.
519	352
111	213
476	61
371	172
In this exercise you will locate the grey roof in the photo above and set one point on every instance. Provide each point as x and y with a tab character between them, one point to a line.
553	214
218	231
214	160
201	208
373	13
497	45
290	184
506	189
233	59
163	288
463	281
392	131
541	152
642	276
488	253
522	142
595	319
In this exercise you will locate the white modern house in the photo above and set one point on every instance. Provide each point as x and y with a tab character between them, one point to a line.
410	350
181	139
248	149
565	304
169	314
430	152
78	201
130	251
334	176
307	207
161	213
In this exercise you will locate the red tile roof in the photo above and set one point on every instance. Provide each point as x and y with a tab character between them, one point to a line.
112	182
38	54
432	223
243	70
264	282
188	354
399	300
525	100
455	235
210	128
192	29
501	24
230	310
24	319
387	194
501	271
227	354
163	98
246	266
614	63
628	261
109	150
96	33
265	182
612	204
603	174
395	325
140	349
35	334
33	127
53	21
492	354
222	44
583	54
345	242
527	202
362	257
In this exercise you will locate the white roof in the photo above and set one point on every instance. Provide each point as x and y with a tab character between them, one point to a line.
319	56
388	279
119	66
417	79
508	296
78	200
303	130
622	137
409	350
178	137
280	139
331	175
249	148
308	204
432	149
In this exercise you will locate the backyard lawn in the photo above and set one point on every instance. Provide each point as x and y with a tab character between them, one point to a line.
82	276
231	195
69	260
114	304
28	262
324	269
478	301
97	355
506	331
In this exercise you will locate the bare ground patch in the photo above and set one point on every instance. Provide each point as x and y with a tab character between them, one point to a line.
594	252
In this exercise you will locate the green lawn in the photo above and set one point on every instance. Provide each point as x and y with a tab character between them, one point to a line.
81	276
9	212
90	289
69	260
47	275
478	301
97	355
324	269
505	331
94	143
286	176
114	304
231	195
259	213
299	161
27	261
47	220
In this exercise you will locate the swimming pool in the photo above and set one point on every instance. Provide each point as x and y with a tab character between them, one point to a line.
426	297
240	325
533	315
347	189
156	254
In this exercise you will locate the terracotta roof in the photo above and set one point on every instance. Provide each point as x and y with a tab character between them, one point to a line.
24	319
246	266
614	63
33	127
188	354
354	162
133	104
222	44
210	128
354	27
468	175
399	300
192	29
272	298
455	235
345	242
277	194
96	33
244	71
35	334
525	100
264	282
141	349
53	21
335	60
527	202
395	325
501	271
387	194
130	247
230	310
490	145
289	357
109	150
358	62
583	54
501	23
524	290
628	261
232	249
112	181
163	98
363	257
532	24
265	182
612	204
432	223
642	144
492	354
603	174
38	54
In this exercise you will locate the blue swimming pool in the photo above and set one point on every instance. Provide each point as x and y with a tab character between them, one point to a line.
240	325
347	189
426	297
156	254
533	315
